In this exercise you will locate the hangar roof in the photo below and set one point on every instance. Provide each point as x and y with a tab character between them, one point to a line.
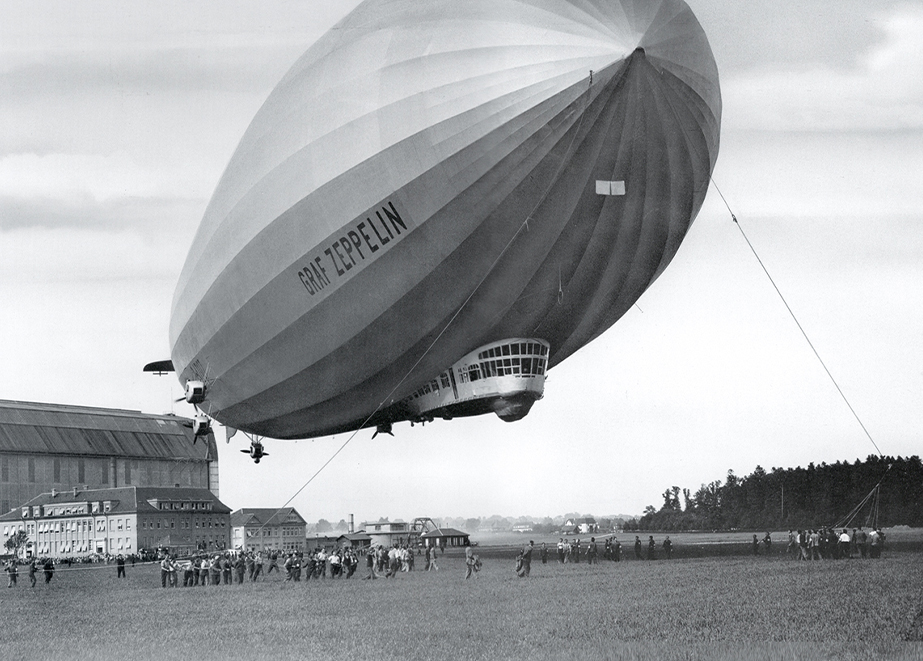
443	532
126	500
35	428
265	516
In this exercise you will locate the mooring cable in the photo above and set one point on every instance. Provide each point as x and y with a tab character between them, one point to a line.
795	318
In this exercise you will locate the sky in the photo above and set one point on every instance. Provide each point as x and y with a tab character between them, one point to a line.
117	120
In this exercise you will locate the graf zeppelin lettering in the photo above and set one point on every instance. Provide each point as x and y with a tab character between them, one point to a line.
347	251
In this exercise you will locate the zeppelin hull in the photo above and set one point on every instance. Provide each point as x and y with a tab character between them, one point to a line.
407	194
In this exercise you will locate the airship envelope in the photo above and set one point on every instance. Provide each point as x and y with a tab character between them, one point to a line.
488	181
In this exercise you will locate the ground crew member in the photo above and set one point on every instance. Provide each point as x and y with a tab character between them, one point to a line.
188	573
592	551
164	570
48	568
215	567
226	569
203	571
527	558
239	566
469	561
258	565
370	564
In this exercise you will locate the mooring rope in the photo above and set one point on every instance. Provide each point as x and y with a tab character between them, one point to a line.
795	318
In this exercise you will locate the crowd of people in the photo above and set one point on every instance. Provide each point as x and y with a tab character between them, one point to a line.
570	551
827	544
12	570
227	567
230	567
397	558
821	543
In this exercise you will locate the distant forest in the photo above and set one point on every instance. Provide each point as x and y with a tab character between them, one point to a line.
796	498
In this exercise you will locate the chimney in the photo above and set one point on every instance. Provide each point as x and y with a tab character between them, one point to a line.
352	524
54	493
75	492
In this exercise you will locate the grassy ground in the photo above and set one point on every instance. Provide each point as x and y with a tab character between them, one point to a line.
732	607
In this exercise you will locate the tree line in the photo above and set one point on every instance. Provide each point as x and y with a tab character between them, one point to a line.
794	498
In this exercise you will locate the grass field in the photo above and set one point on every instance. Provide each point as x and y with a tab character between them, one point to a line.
729	607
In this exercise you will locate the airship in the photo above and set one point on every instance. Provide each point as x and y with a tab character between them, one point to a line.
439	202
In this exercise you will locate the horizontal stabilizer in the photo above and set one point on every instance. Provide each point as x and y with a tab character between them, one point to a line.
159	366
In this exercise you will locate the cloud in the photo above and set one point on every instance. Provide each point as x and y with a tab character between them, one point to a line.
883	91
150	215
54	25
97	191
169	78
822	174
65	176
32	255
142	71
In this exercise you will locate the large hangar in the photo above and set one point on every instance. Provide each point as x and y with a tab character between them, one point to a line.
47	447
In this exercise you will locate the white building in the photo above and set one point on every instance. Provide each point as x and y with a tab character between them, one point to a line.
123	520
389	533
263	529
